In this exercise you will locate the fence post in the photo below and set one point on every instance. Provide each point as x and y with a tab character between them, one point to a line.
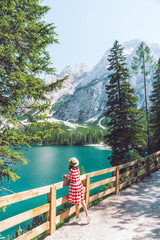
48	213
53	210
87	189
135	167
156	160
117	180
148	166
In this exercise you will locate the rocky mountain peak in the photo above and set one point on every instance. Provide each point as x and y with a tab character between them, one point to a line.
84	97
74	70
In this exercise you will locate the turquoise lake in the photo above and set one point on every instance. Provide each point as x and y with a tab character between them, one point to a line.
46	165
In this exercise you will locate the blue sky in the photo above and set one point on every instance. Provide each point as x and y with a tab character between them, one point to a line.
87	28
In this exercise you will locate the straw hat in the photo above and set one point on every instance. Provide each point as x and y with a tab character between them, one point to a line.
74	162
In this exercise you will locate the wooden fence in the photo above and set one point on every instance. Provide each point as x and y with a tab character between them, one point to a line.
122	176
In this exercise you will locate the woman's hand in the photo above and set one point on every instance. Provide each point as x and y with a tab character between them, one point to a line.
64	176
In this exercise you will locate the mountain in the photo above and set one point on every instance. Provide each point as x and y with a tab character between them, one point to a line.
73	71
84	96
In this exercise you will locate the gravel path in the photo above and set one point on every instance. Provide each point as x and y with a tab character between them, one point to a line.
134	214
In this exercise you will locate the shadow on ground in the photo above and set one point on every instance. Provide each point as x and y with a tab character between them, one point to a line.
137	208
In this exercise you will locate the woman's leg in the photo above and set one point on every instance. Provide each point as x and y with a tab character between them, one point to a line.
77	210
84	207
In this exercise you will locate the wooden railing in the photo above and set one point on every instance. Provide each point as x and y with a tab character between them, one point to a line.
131	171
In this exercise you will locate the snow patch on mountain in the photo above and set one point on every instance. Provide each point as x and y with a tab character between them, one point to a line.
68	124
84	96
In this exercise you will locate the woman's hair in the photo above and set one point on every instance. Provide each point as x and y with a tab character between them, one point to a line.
70	166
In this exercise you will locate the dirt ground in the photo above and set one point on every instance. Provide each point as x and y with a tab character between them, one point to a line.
134	214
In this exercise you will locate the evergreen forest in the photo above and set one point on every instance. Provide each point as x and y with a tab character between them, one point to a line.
84	134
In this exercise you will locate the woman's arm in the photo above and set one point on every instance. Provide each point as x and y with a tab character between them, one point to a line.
65	176
69	177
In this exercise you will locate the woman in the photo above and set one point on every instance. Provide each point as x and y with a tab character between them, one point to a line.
76	191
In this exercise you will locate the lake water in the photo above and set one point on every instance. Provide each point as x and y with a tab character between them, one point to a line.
46	165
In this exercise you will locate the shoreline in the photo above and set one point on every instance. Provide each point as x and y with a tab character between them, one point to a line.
100	145
97	145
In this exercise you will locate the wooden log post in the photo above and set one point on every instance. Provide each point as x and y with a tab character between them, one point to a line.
136	173
48	213
117	180
48	201
53	210
87	189
148	166
156	160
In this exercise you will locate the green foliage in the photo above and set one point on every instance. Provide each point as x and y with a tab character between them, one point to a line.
143	61
155	111
23	55
69	136
108	186
125	134
19	232
35	223
3	209
82	171
9	238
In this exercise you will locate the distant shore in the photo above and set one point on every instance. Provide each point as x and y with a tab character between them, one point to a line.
100	145
97	145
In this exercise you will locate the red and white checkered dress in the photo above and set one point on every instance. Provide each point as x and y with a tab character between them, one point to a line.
76	191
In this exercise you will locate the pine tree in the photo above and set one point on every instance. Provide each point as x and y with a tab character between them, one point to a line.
23	58
155	110
143	61
125	132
